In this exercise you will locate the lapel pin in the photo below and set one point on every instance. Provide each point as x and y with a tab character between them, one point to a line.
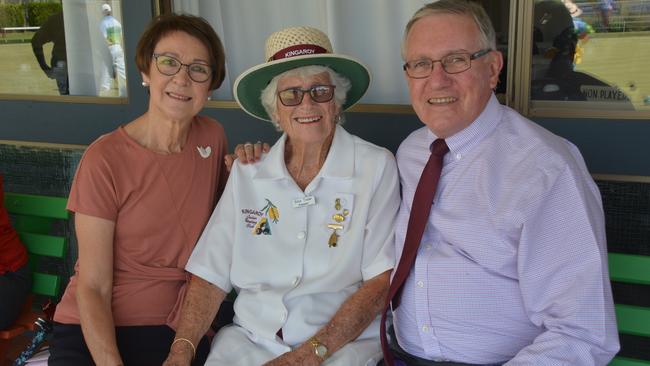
204	151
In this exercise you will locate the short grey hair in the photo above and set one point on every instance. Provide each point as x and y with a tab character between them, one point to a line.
269	96
457	7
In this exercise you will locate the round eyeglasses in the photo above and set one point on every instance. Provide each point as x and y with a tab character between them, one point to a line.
168	65
454	63
318	93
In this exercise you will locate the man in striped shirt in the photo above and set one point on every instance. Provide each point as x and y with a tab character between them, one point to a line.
512	265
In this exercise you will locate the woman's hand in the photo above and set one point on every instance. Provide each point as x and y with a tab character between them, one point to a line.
202	300
247	153
180	354
303	355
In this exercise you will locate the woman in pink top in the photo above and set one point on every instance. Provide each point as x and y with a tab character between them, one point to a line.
141	196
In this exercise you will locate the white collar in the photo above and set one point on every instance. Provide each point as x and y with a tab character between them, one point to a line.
338	164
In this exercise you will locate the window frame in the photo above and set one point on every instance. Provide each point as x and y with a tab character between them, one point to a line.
71	99
521	28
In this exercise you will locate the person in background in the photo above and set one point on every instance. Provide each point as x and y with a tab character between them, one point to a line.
53	31
606	7
15	275
554	26
509	265
112	32
305	236
141	197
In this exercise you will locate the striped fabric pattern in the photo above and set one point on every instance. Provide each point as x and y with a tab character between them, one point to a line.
512	266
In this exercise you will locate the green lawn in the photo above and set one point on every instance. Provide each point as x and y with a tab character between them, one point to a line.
621	61
20	73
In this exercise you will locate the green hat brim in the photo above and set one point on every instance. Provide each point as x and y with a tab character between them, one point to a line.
249	85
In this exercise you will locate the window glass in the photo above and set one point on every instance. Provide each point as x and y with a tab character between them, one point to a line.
499	13
369	30
69	47
595	52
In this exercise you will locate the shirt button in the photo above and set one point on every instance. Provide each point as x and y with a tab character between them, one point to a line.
428	246
459	156
295	282
420	284
301	235
425	328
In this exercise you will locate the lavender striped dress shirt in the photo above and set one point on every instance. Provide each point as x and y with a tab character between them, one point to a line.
512	267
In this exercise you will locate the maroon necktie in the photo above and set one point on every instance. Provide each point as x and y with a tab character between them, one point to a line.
422	201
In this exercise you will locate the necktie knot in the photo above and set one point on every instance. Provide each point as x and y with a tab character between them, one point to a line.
439	147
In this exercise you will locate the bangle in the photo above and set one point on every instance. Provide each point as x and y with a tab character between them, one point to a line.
185	340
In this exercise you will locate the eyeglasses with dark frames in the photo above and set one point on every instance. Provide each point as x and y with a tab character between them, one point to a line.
453	63
168	65
318	93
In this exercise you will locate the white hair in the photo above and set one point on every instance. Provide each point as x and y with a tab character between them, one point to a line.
269	96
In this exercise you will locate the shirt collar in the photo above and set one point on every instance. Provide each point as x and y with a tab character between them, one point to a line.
464	141
338	164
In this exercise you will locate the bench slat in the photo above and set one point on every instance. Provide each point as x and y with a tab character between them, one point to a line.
629	268
622	361
31	205
46	284
634	320
47	245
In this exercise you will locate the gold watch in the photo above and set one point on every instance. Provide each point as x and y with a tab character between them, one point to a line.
319	349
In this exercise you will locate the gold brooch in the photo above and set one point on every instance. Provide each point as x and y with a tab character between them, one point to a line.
339	217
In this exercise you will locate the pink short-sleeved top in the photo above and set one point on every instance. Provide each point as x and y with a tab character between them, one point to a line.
160	204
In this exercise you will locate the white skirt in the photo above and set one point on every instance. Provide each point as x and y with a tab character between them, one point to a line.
234	345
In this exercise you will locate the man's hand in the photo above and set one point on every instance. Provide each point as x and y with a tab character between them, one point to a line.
247	153
303	355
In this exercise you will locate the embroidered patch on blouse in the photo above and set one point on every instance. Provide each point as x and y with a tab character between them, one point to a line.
260	220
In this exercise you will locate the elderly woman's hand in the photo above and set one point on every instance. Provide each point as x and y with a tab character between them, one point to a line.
303	355
247	153
180	355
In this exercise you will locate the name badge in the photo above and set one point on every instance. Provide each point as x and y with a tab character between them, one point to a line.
303	201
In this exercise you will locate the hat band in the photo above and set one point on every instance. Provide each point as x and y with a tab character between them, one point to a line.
297	50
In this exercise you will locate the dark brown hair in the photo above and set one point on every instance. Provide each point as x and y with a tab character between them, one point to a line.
196	27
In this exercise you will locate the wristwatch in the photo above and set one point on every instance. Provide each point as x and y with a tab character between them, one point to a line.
319	349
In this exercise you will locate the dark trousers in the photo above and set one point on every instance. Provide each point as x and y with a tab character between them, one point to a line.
14	289
138	346
403	358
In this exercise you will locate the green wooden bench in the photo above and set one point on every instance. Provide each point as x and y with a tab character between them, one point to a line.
632	320
34	218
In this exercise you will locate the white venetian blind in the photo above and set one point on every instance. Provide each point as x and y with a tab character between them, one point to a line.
369	30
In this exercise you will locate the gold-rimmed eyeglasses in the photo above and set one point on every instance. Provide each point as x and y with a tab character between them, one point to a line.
453	63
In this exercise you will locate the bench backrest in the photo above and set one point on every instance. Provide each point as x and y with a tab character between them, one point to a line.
633	320
34	219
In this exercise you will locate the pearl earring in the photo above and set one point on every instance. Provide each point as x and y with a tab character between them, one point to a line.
145	84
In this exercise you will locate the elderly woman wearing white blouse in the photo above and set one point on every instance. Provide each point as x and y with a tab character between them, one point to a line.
305	236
